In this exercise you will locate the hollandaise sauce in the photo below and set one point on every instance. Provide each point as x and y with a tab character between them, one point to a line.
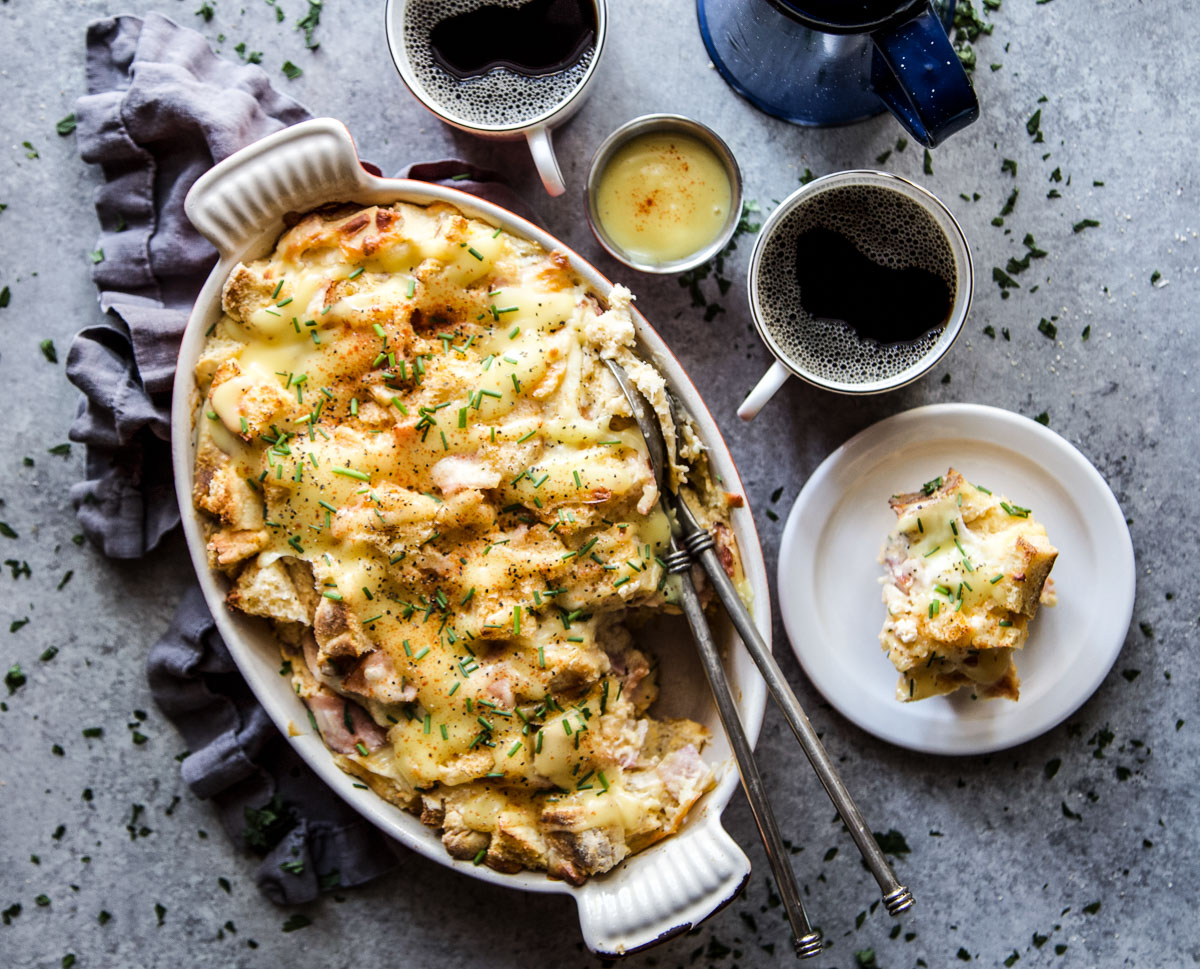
663	197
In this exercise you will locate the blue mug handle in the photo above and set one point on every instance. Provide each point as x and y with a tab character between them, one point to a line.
917	74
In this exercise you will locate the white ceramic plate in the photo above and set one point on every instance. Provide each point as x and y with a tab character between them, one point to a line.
830	594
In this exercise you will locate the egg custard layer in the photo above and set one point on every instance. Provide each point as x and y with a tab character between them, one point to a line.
965	572
415	462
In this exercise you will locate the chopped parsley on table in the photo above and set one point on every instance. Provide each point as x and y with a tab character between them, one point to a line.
308	23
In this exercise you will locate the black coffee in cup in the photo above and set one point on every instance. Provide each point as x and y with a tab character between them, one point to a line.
856	283
495	65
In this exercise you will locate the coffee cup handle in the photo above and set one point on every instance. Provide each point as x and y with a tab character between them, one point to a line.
542	150
763	391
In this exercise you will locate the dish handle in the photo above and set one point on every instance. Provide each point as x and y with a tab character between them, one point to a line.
294	169
679	882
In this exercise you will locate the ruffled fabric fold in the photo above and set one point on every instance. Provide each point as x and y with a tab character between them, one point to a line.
161	109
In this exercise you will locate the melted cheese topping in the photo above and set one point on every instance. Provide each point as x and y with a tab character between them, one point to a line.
412	406
965	571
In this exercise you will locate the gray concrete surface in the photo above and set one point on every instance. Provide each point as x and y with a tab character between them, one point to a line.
1096	865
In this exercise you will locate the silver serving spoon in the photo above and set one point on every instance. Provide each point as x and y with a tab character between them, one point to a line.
896	897
806	940
699	542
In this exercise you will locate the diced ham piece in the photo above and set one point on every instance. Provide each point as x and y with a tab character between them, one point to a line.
682	771
458	473
500	689
899	564
331	713
376	677
631	666
627	746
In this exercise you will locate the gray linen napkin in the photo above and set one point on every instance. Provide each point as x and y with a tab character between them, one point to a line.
161	109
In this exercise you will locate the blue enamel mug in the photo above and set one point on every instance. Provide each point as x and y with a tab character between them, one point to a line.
829	62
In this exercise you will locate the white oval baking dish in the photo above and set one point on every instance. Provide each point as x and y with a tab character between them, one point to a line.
662	891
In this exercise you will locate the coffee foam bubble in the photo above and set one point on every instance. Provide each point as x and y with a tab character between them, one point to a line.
501	98
889	229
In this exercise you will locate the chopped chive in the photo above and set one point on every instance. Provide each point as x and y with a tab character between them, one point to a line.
542	657
523	439
475	252
1005	623
515	747
931	551
358	272
934	608
412	288
516	620
351	473
496	233
981	488
578	483
336	596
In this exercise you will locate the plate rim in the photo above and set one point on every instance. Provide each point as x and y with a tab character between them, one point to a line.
1110	524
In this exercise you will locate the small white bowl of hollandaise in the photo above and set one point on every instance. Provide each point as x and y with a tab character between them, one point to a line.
664	193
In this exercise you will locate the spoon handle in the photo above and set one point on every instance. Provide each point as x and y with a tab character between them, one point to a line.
807	942
699	542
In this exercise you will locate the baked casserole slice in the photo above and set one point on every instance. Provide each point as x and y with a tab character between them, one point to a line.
965	572
414	462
